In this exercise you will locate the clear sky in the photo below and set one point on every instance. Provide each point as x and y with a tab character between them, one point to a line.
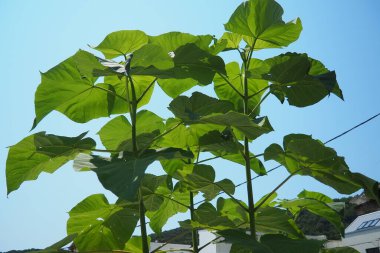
37	35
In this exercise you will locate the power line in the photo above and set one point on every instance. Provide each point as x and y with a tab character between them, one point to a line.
278	166
349	130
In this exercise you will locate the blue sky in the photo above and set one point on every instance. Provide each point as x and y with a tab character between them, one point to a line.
37	35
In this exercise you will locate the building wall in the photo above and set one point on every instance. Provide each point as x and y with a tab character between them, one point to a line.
155	245
363	240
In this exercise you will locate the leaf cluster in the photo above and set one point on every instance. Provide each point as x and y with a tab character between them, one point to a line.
86	87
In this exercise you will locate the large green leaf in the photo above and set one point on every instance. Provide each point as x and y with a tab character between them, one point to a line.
134	245
190	61
201	109
220	143
100	225
57	247
42	152
232	40
116	133
122	176
261	23
303	155
276	220
300	79
150	186
175	201
246	126
229	213
144	86
242	242
224	90
202	178
70	89
208	217
175	87
170	42
152	55
316	207
283	244
122	42
198	105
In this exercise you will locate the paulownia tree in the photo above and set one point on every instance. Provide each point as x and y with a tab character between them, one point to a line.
85	87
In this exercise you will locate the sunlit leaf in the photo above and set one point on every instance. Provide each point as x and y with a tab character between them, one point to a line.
122	42
303	155
70	89
234	78
261	23
316	207
233	40
115	134
134	245
42	152
276	221
202	178
149	186
175	87
100	225
175	201
57	247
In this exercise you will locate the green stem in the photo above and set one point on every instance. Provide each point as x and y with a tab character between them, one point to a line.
194	232
261	101
144	236
133	113
258	92
251	204
276	189
146	91
230	84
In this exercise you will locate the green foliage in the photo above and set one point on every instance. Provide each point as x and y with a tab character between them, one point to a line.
85	87
100	225
42	152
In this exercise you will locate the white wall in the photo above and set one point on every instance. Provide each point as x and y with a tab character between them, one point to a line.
155	245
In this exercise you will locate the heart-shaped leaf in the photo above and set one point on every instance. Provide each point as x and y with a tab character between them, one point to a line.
100	225
42	152
122	42
303	155
123	176
260	21
300	79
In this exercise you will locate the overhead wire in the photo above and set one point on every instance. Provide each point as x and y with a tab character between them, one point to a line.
278	166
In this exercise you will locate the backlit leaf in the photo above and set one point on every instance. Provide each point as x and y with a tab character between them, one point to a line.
305	156
70	89
175	201
261	21
42	152
122	42
100	225
117	131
